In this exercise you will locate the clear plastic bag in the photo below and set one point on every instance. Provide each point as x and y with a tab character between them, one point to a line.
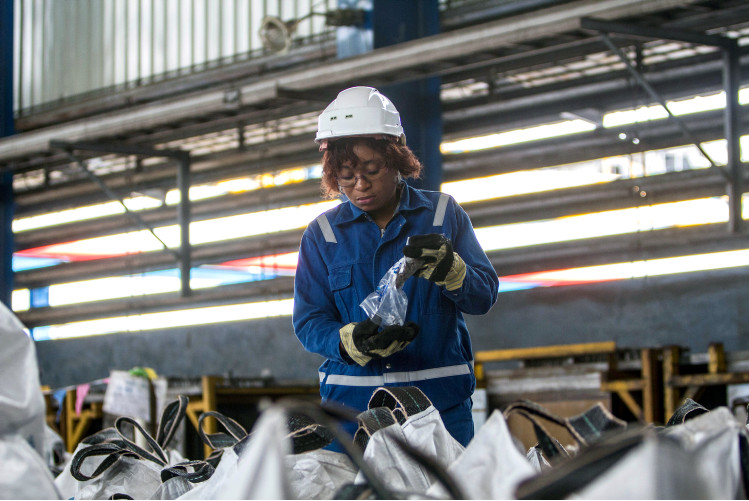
387	305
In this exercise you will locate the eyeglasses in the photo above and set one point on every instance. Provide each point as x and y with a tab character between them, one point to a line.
347	178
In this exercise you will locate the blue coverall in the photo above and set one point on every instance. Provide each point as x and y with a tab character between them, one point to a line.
342	257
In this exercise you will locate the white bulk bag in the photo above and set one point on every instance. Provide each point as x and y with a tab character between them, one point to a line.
24	472
129	475
491	467
226	469
655	469
258	470
713	439
424	431
319	474
22	407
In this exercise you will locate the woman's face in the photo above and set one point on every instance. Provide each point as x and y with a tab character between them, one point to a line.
369	184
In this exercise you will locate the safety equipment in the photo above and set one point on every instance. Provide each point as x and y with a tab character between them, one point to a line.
363	341
441	265
359	111
347	180
363	329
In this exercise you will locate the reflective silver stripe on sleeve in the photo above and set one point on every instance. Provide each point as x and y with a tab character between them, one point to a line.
327	231
321	375
439	214
399	377
355	380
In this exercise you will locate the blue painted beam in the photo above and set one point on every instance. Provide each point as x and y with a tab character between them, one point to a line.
6	129
394	22
390	22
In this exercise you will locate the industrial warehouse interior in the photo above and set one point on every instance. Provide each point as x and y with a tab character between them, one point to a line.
159	168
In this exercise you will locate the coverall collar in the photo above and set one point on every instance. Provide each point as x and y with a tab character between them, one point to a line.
411	199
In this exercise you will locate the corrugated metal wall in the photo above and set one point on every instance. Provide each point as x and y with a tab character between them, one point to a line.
66	48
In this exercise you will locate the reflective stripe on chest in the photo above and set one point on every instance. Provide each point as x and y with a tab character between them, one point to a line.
327	230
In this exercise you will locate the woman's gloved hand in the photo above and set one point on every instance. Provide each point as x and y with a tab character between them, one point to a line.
363	341
441	265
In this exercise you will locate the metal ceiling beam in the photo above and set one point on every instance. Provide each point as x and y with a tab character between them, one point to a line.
654	135
615	195
655	96
467	13
260	245
731	77
475	116
605	92
621	194
603	142
184	253
608	250
648	245
655	32
389	60
227	205
558	52
263	290
237	119
668	188
277	155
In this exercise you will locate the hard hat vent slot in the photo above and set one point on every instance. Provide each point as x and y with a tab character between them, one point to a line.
359	111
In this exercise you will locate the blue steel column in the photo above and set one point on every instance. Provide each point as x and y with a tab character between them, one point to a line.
389	22
6	129
355	40
393	22
6	238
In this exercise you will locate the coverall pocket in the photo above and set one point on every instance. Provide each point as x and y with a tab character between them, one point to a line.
345	296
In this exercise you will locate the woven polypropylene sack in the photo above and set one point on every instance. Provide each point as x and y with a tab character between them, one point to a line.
713	438
23	472
225	469
319	474
655	469
257	471
22	408
130	476
491	467
424	432
65	482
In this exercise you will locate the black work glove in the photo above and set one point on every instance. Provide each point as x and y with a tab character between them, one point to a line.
364	341
441	265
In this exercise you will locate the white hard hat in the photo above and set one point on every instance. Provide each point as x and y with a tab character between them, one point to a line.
359	111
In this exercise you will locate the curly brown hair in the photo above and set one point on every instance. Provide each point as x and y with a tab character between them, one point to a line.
398	157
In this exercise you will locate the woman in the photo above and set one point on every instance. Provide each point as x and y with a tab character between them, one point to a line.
347	250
